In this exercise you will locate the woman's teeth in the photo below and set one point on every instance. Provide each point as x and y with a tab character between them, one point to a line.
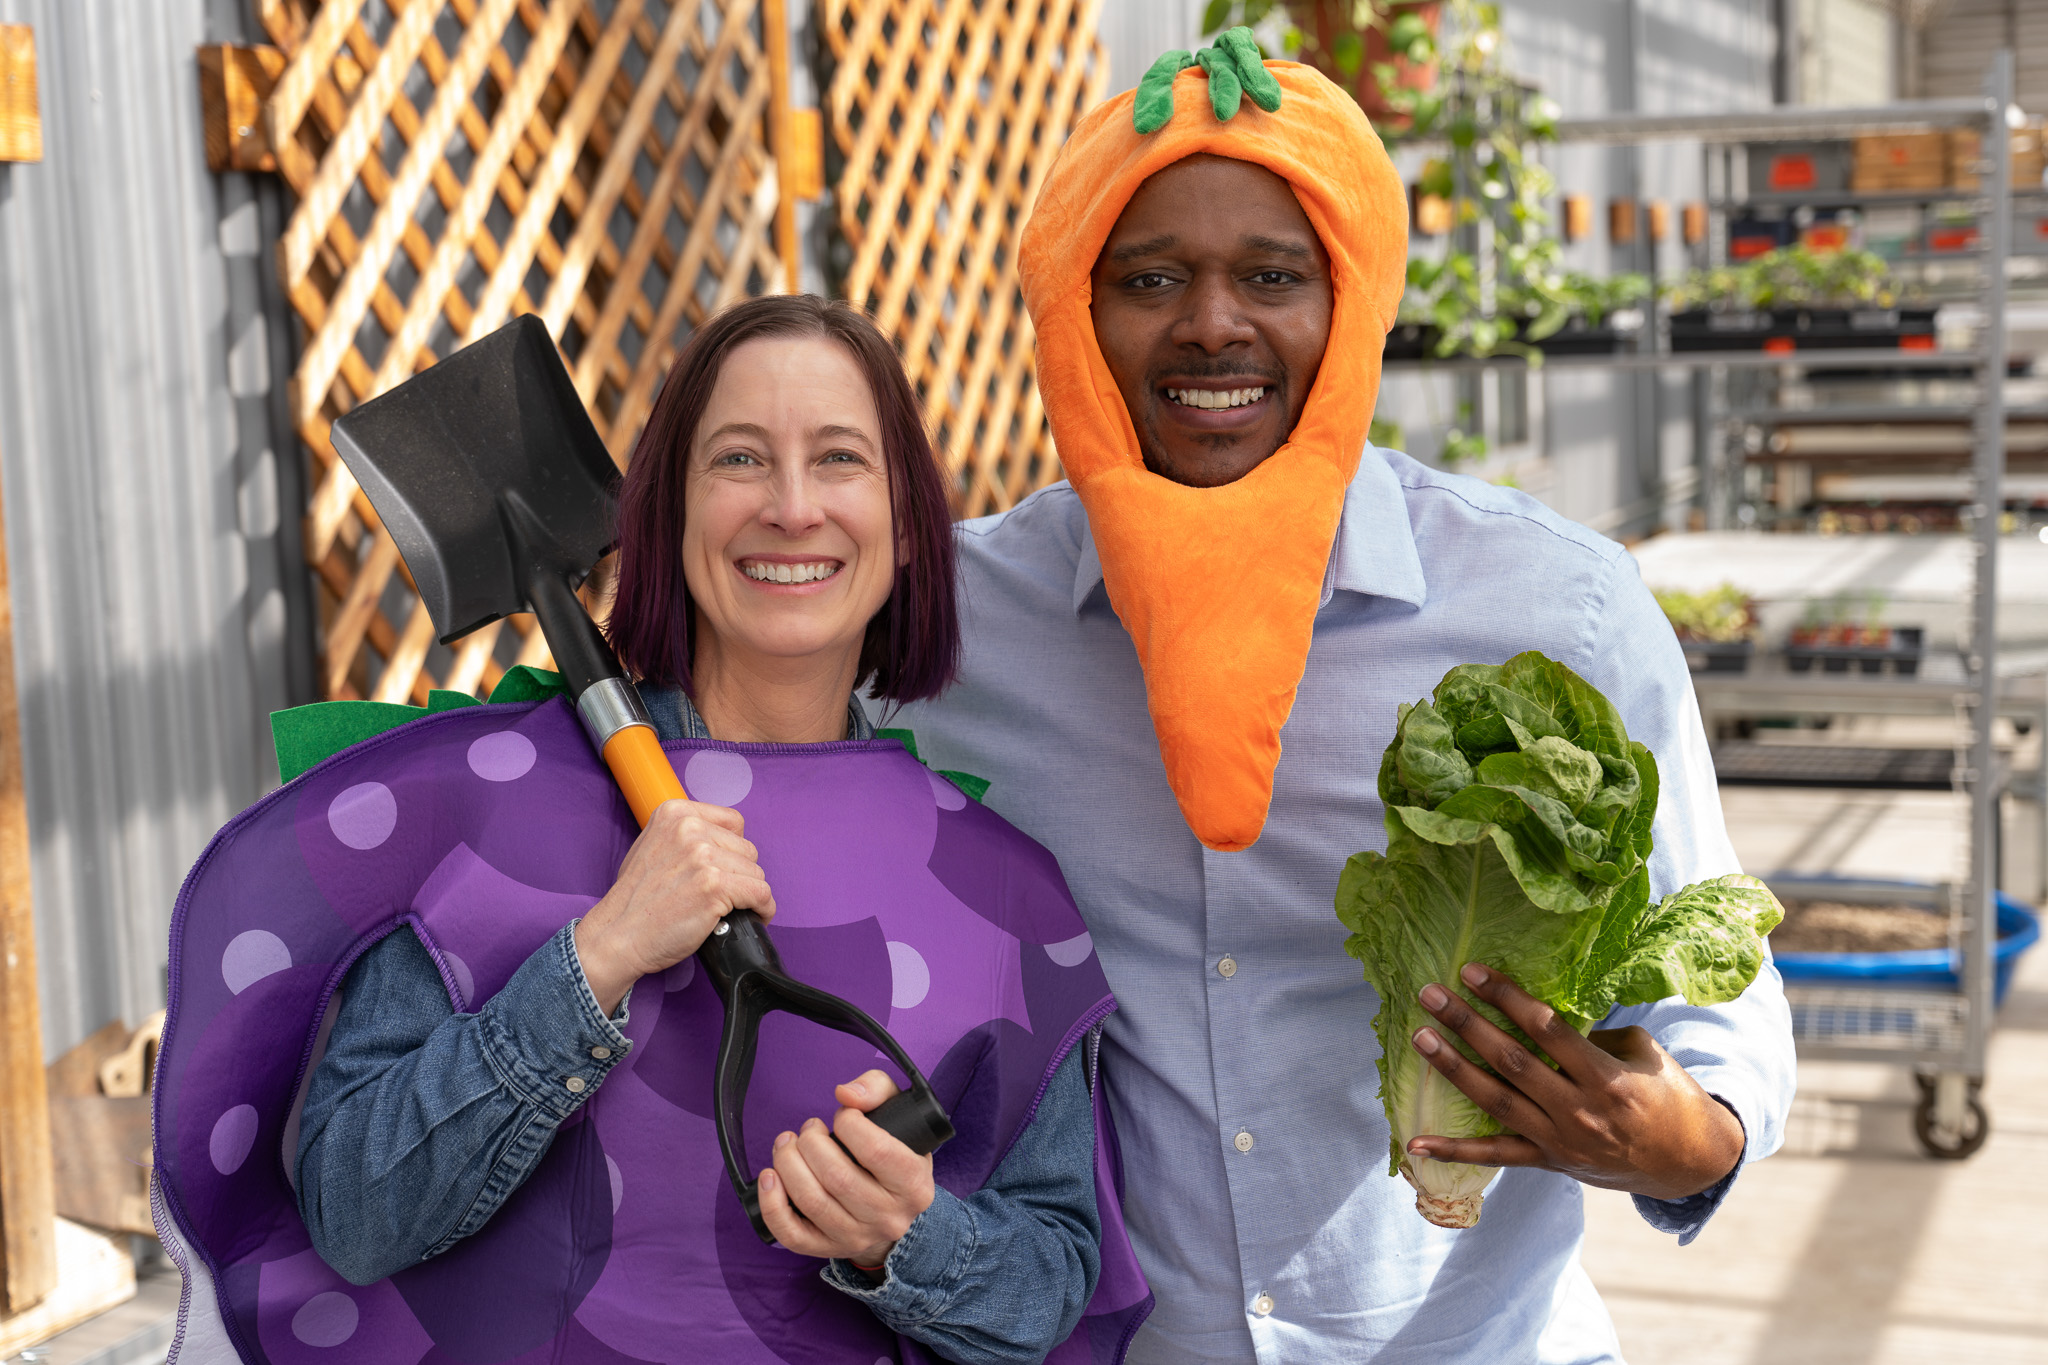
1216	398
787	573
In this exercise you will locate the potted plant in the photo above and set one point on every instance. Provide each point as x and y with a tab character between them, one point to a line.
1717	628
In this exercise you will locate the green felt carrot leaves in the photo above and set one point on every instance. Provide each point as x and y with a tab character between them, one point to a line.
1235	67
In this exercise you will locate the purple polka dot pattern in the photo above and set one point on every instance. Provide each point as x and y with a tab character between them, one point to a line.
502	757
1073	952
252	955
234	1133
327	1319
946	794
892	890
911	979
364	815
718	776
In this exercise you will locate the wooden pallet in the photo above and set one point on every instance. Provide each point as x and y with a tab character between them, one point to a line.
946	115
605	164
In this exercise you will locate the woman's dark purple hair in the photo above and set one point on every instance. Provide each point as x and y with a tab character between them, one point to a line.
913	643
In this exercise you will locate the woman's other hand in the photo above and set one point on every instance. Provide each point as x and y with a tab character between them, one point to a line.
689	868
818	1202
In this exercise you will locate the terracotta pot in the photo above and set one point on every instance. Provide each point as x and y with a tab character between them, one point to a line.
1327	19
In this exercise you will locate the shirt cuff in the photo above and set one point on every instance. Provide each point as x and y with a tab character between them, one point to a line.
1689	1215
923	1271
545	1034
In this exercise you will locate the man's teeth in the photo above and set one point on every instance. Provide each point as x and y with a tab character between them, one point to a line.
1216	398
787	573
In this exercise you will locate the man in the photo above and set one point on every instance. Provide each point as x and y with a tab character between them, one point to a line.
1181	672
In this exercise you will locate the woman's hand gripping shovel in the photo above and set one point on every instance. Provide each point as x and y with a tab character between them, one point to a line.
489	476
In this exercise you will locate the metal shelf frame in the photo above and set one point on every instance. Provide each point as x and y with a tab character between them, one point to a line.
1956	1062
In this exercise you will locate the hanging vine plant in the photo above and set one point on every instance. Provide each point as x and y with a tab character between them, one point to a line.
1433	74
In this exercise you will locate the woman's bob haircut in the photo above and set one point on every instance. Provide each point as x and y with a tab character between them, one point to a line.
913	643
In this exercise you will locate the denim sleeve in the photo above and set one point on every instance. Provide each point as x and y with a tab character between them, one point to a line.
420	1122
1004	1274
1739	1051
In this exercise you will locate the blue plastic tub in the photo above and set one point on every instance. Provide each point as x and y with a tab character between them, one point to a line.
1933	969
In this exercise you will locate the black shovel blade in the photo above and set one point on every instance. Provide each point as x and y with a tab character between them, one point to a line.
487	472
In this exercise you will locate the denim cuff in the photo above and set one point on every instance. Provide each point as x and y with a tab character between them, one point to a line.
924	1269
544	1033
1689	1215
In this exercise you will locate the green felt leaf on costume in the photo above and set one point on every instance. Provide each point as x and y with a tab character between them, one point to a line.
523	682
1258	82
903	737
975	787
1154	103
1226	92
306	736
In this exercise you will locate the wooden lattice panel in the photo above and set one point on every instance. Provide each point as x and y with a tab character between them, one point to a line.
948	114
602	163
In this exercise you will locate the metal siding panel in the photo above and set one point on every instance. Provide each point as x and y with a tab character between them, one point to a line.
151	557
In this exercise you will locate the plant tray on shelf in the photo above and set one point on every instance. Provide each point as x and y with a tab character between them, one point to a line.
1718	656
1903	653
1580	337
1790	329
1413	341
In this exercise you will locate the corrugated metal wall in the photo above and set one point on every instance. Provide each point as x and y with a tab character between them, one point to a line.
152	520
1956	44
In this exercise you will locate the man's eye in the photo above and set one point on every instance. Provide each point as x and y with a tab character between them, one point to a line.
1275	277
1151	279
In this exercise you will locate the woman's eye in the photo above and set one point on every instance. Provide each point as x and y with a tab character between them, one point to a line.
735	459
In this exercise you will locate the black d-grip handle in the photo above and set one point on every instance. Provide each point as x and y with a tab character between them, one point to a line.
748	975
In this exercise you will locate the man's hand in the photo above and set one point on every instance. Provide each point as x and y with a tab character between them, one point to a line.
1618	1112
817	1202
689	868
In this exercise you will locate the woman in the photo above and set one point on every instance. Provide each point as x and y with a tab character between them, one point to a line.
784	545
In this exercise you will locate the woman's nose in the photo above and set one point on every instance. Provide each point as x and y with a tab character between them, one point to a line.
794	509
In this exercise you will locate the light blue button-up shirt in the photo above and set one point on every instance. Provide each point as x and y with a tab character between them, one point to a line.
1254	1144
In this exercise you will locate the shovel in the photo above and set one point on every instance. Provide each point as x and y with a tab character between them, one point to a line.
501	497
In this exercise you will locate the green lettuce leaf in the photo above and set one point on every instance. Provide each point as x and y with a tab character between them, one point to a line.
1518	817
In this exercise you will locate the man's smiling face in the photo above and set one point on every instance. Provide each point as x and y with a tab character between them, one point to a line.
1212	304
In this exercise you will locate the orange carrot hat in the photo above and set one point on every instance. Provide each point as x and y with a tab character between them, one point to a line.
1219	587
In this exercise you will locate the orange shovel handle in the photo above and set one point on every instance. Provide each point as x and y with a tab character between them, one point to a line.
642	770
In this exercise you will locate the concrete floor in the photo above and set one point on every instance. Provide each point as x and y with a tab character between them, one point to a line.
1850	1247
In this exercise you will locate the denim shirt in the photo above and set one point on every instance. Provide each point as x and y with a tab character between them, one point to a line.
420	1122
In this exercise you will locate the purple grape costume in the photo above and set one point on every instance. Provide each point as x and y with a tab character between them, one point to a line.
486	829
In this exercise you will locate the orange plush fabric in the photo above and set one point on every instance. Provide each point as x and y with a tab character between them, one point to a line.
1219	587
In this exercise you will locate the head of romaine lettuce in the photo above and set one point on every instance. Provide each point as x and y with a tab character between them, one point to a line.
1518	835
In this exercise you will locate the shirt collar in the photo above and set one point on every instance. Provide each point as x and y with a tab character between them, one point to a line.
1374	555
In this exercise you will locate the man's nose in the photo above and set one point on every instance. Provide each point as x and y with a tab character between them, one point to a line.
1214	316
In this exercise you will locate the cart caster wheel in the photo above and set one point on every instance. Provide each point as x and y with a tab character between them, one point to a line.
1942	1147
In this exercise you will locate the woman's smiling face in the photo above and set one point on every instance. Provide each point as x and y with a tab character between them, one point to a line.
788	535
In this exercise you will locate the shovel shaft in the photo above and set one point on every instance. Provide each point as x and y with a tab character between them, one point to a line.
642	770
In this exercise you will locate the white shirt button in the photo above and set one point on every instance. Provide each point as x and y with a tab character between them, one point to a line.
575	1084
1263	1305
1243	1142
1227	968
601	1052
